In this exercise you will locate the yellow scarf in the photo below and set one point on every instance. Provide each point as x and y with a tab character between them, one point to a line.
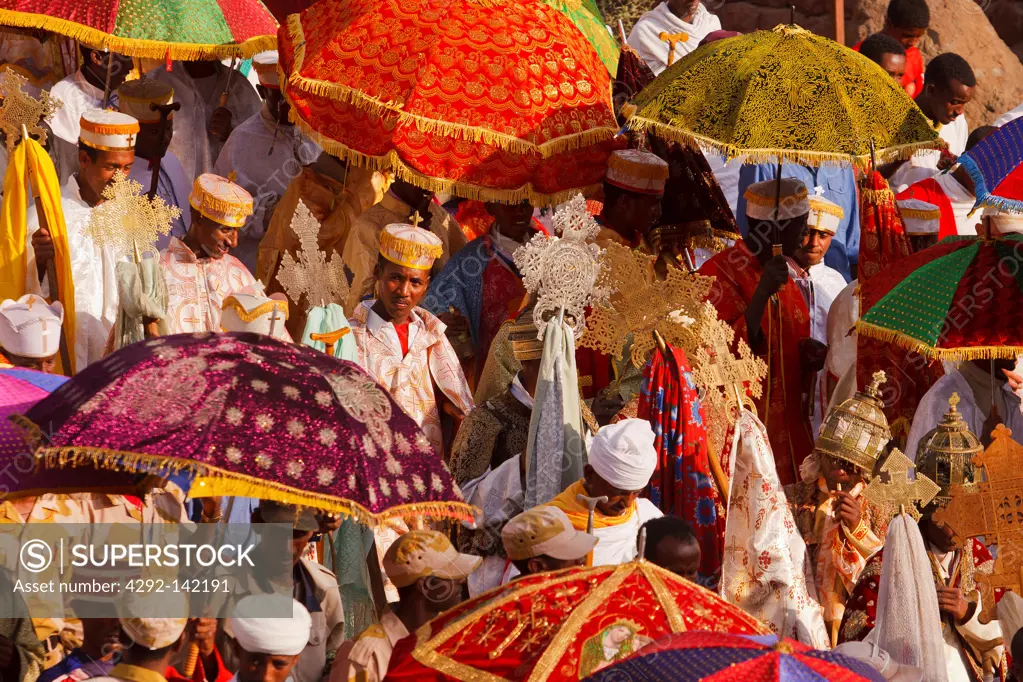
133	673
579	515
30	157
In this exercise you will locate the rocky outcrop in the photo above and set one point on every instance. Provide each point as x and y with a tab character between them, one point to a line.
961	26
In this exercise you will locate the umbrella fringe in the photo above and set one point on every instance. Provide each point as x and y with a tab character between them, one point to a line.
216	482
139	48
392	162
697	142
930	352
985	196
458	131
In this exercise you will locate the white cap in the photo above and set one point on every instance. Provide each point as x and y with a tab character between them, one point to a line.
30	327
109	131
919	217
636	170
825	215
623	454
763	197
259	628
254	312
1004	221
546	531
265	64
879	660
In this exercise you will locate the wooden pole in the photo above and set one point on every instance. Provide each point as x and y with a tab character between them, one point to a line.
165	111
840	22
106	88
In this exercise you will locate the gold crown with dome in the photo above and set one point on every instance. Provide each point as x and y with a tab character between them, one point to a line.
946	452
857	430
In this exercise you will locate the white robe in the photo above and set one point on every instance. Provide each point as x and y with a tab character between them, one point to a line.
934	405
617	544
828	283
92	271
955	660
645	35
500	496
925	164
78	96
263	173
1009	116
962	204
192	143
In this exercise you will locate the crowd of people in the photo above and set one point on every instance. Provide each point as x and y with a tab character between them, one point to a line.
437	312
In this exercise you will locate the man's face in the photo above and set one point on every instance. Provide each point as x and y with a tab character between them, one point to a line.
154	139
542	564
918	244
681	558
215	239
942	537
100	173
815	244
119	68
264	667
949	103
514	221
442	593
105	633
400	289
838	471
618	501
894	65
47	364
683	8
909	37
642	210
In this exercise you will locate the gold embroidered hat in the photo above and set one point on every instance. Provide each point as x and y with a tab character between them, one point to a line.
30	327
220	200
108	131
919	217
945	454
135	97
522	336
265	64
825	215
637	171
763	197
546	531
410	247
857	430
422	553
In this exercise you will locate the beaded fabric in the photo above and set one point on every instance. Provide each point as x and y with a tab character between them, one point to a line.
247	415
784	95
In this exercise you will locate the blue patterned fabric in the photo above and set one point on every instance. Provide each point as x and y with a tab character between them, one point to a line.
994	167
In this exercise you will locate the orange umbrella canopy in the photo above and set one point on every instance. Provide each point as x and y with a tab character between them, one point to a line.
564	625
499	100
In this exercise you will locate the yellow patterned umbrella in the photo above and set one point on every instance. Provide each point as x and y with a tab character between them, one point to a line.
784	95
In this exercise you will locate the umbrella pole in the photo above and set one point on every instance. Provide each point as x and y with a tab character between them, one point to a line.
106	87
227	86
776	249
840	22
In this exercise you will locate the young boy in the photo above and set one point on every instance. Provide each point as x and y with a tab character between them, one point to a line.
907	22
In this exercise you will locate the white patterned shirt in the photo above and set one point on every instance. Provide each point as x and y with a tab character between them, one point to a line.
197	287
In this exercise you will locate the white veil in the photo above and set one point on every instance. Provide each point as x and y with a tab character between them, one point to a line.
1010	616
908	624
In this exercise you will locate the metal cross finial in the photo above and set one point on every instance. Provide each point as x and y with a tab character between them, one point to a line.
953	401
893	486
416	219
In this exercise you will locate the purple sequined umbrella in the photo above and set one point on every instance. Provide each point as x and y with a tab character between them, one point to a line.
20	389
246	415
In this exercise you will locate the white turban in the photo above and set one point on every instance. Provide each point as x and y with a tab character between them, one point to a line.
260	628
623	454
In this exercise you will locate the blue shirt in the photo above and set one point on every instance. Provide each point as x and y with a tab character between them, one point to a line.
839	184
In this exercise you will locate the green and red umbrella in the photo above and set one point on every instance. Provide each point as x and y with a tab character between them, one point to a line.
156	29
958	300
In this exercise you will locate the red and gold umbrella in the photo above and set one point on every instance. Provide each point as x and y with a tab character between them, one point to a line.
155	29
564	625
500	100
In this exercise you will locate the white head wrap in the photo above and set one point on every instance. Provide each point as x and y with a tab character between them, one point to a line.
258	632
623	454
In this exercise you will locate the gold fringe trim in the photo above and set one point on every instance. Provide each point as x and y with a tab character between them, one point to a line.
671	133
110	129
393	162
753	198
920	214
212	481
955	354
638	169
133	47
257	312
459	131
877	196
820	207
409	249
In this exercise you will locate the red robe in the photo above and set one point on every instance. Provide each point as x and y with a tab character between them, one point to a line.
930	191
784	325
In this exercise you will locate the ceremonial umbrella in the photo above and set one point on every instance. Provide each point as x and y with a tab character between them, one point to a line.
958	300
247	415
587	18
996	167
20	389
716	657
155	29
563	625
494	100
784	95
